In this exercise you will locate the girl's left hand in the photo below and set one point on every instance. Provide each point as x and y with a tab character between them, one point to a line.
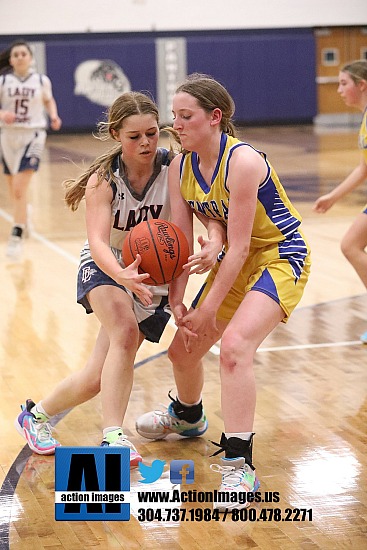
204	261
199	325
56	123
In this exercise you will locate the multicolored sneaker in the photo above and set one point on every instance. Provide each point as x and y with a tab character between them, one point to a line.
237	477
118	439
36	431
158	424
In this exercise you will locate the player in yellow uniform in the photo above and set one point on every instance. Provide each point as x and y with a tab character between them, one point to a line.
256	283
277	248
353	89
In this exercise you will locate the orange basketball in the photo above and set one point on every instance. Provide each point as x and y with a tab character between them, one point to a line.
163	248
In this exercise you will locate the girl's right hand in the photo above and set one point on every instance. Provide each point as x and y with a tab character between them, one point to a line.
179	312
130	278
323	203
8	117
206	258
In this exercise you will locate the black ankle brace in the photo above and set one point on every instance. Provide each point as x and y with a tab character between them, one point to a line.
189	414
235	447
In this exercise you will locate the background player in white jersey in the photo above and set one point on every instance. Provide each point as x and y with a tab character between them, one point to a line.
353	89
125	186
25	97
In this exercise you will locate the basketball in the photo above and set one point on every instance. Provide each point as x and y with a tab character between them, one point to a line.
163	248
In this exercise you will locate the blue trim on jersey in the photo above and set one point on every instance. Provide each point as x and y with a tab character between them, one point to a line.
276	210
195	165
266	285
227	163
223	143
295	251
181	164
197	297
229	157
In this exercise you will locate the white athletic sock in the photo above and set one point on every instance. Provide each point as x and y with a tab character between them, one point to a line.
39	411
189	404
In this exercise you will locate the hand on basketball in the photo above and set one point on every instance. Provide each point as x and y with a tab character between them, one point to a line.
132	279
205	259
323	203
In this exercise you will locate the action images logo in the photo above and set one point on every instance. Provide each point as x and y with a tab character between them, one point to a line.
92	483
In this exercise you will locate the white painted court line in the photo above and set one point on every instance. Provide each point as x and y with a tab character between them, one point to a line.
48	244
55	248
312	346
214	349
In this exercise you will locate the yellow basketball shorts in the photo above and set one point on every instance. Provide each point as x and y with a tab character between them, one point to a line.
279	270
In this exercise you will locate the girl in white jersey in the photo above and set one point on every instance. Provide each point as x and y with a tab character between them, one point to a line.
25	97
122	188
353	89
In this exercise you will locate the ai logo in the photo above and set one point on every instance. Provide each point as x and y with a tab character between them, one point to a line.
92	483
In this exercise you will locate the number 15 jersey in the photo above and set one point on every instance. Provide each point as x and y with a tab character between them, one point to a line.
25	97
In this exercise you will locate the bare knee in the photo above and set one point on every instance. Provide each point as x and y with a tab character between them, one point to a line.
350	250
346	248
179	357
173	353
18	193
234	351
93	386
125	337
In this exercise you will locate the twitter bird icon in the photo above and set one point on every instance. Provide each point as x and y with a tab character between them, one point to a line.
150	474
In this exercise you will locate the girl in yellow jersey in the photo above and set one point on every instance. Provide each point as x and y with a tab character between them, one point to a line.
353	89
256	283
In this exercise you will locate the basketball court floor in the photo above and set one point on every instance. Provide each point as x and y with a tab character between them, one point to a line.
310	424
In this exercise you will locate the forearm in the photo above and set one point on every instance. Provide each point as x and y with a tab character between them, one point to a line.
51	109
105	259
355	178
177	290
217	231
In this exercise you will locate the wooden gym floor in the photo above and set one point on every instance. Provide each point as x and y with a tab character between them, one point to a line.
310	442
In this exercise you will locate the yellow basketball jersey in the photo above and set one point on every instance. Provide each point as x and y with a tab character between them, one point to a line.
275	218
278	263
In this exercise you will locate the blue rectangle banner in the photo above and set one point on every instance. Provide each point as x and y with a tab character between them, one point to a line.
92	484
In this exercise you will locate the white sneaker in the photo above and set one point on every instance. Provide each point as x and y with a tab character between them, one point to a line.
14	247
158	424
238	479
118	439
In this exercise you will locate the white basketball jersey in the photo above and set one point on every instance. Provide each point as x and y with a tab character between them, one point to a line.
128	210
25	97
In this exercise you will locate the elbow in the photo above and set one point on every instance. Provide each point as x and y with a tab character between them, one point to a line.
244	255
241	254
